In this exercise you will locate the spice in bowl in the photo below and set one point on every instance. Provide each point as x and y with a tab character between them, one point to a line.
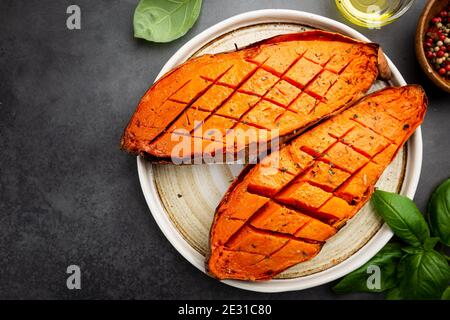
437	43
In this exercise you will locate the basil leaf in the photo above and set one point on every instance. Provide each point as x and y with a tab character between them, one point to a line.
386	260
423	275
402	215
412	250
439	212
430	243
394	294
446	294
163	20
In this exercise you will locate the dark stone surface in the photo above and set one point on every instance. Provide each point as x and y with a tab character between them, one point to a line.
68	195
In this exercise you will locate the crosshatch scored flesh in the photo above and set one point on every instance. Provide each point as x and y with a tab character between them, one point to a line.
274	217
280	211
286	84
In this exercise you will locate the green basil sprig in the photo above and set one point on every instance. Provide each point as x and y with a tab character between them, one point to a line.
423	275
163	20
402	215
446	294
386	260
413	269
439	212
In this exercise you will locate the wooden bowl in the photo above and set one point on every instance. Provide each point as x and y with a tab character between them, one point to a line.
432	9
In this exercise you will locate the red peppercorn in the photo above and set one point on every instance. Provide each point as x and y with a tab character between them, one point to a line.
434	44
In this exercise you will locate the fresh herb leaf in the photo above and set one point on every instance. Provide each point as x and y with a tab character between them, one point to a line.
163	20
386	259
423	275
439	212
412	250
393	294
402	215
430	243
446	294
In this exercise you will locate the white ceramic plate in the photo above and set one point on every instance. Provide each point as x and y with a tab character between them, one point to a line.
182	199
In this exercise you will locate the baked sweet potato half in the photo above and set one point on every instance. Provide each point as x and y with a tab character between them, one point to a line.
281	211
276	87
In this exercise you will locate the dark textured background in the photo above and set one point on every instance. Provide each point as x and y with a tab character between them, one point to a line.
68	195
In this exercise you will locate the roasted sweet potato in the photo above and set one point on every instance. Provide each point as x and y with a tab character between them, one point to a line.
286	83
280	212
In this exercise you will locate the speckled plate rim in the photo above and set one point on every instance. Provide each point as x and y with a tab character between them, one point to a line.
384	234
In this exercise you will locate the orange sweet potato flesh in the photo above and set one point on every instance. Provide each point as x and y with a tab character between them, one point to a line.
287	83
281	211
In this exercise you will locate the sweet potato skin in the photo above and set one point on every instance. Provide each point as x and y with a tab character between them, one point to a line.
204	87
334	180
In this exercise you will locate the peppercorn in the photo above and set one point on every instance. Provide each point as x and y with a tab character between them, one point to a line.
437	42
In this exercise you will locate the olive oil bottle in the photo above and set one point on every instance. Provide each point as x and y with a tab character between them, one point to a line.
373	14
